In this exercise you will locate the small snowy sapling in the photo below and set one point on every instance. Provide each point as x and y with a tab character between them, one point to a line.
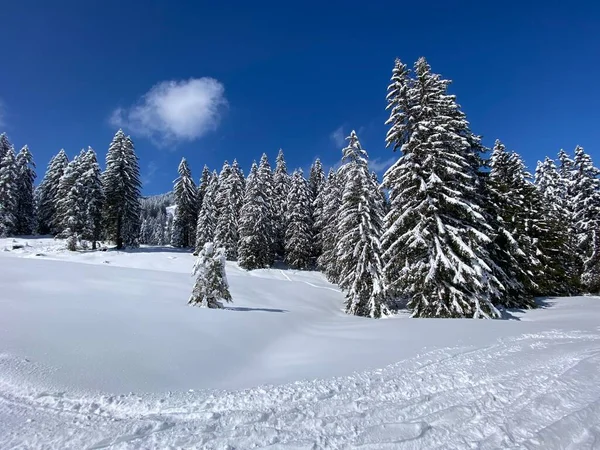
211	287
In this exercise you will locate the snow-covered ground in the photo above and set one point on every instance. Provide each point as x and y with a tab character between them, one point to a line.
100	350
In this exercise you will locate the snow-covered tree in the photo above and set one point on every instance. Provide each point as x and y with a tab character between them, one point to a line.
512	249
211	288
327	221
8	193
298	236
186	215
93	194
207	217
70	204
25	213
435	233
281	188
5	146
586	207
256	229
358	248
46	194
229	200
316	178
121	182
203	185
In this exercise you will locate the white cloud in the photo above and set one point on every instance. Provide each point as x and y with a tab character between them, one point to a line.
379	165
175	111
338	137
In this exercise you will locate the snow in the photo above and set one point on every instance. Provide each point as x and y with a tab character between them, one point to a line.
100	350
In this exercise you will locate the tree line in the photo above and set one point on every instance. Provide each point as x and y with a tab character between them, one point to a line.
454	229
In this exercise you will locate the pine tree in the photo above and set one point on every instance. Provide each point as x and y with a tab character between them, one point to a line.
8	193
298	236
203	185
316	178
207	218
330	197
512	249
255	249
281	188
46	194
229	201
186	192
436	236
5	146
25	214
121	182
586	202
358	249
211	288
93	194
70	203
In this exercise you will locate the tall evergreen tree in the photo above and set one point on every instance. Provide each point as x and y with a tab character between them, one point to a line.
256	245
186	215
281	188
436	236
91	182
25	214
586	202
203	185
298	236
121	181
327	222
70	204
47	194
8	193
207	218
316	182
229	201
358	249
5	146
512	248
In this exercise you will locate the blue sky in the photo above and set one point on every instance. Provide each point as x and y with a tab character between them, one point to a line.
222	80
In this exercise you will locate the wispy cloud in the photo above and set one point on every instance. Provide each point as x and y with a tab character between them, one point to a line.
379	165
338	137
151	169
175	111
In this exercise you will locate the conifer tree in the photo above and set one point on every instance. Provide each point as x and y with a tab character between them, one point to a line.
121	182
186	216
255	249
211	288
91	182
330	197
25	214
586	207
47	194
203	185
316	178
8	193
298	236
282	183
207	218
436	236
5	146
358	248
229	201
512	249
70	204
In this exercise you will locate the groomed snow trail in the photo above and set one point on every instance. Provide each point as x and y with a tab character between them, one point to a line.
537	391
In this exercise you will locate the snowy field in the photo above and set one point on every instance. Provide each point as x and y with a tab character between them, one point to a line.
100	350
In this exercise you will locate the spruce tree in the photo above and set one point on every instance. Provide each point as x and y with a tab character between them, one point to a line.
121	182
358	248
47	194
203	185
70	204
211	288
8	193
186	215
256	245
330	197
229	201
298	236
207	218
281	188
91	183
436	235
586	207
5	146
512	249
25	214
316	178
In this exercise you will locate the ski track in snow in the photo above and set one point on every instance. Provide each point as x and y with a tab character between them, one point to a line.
533	392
